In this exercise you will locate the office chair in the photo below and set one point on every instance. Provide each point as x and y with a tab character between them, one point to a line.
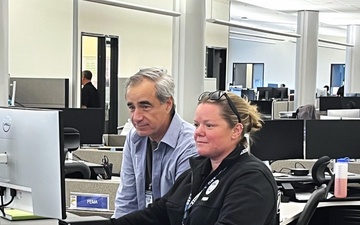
320	194
306	112
74	169
71	139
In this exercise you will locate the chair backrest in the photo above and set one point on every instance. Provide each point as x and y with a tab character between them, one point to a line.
318	174
76	169
306	112
317	196
71	139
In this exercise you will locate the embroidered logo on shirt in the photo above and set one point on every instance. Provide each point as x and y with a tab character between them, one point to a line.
212	187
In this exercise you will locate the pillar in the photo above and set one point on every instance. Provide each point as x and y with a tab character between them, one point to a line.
352	63
4	52
188	52
306	57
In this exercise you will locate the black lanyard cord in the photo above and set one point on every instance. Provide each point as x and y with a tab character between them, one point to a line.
190	202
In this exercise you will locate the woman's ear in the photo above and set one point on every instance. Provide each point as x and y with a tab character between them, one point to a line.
237	130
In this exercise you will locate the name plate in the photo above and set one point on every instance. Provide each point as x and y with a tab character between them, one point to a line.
88	201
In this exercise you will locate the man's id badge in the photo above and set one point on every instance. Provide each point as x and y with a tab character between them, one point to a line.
148	197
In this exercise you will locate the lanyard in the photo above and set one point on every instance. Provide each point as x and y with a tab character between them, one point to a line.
190	202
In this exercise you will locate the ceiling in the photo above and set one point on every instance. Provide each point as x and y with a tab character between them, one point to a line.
334	15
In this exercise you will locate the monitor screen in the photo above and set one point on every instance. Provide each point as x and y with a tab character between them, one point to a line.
330	102
236	90
250	94
265	93
264	107
279	139
90	122
32	141
334	138
280	93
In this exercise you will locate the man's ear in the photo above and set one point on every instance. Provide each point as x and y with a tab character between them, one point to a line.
169	103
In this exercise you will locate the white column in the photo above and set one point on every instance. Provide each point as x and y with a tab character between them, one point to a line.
352	68
188	67
4	52
306	57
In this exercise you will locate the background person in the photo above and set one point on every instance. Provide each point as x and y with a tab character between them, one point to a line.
89	94
226	184
157	148
327	90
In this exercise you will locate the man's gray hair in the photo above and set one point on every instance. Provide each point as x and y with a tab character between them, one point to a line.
164	83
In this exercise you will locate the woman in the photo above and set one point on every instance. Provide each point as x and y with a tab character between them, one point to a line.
225	185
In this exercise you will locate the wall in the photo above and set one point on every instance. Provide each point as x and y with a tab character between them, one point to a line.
279	59
144	38
40	38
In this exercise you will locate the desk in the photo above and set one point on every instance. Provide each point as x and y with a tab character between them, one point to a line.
52	221
289	212
29	222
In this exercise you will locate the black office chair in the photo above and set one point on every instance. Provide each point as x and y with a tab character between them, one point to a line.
71	139
320	194
74	169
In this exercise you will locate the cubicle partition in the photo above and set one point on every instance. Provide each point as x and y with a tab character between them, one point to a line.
40	92
335	102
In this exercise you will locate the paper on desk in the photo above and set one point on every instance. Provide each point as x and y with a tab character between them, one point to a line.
302	195
306	195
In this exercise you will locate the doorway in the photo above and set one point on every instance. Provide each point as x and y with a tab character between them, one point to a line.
216	66
99	54
248	75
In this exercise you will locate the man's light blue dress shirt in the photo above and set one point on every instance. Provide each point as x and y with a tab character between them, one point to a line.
170	160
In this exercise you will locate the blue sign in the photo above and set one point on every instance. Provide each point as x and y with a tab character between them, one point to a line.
92	202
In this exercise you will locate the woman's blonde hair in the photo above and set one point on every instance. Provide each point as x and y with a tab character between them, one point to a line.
250	117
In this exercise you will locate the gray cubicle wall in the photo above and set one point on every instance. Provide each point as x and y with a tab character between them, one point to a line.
41	92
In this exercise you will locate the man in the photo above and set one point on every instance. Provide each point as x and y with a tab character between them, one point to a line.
157	148
89	94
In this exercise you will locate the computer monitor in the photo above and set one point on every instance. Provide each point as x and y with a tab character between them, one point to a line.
330	102
90	122
280	93
279	139
32	141
334	138
236	90
321	92
250	94
264	107
265	93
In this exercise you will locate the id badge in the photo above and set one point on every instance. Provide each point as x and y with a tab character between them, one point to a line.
148	197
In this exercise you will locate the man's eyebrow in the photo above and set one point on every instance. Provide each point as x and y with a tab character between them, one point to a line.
145	103
140	103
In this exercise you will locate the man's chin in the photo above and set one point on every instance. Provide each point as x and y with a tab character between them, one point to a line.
143	132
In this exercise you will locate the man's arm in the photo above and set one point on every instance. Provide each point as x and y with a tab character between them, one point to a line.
126	197
183	160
